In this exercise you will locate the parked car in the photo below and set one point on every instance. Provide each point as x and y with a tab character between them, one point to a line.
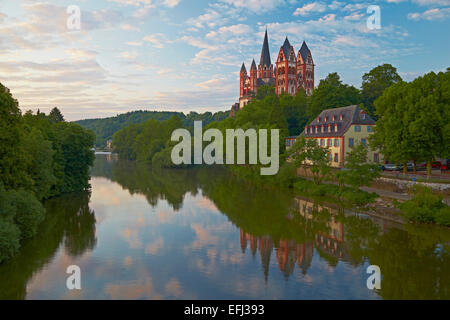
391	167
410	166
434	165
446	165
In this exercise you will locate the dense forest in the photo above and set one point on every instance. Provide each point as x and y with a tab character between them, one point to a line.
41	156
105	128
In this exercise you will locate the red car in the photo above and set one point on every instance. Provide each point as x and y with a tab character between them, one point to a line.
434	165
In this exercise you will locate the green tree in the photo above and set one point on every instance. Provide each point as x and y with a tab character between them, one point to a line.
375	82
56	116
13	160
332	93
414	120
265	91
358	171
307	153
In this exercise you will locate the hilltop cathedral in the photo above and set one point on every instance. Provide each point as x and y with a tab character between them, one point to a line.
289	75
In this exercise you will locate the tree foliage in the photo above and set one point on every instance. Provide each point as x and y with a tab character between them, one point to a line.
375	82
104	129
307	153
40	157
358	172
414	120
332	93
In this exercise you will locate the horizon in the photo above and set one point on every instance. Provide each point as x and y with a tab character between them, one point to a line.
182	56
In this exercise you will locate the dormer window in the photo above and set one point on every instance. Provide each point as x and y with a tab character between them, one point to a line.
306	129
341	117
329	127
335	127
310	129
317	129
318	119
326	118
332	119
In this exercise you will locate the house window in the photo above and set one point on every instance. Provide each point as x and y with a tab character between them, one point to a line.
330	157
329	143
322	142
357	128
336	142
336	157
376	157
369	128
350	142
364	142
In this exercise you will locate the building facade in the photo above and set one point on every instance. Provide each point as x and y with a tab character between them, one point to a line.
339	130
292	72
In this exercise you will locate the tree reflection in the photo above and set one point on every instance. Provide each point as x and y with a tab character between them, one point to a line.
69	220
276	224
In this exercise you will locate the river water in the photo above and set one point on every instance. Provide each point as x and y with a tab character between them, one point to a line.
143	233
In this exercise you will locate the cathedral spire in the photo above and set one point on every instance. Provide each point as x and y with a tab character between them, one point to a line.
253	65
243	70
265	53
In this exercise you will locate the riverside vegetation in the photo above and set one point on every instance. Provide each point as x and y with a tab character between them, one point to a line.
417	106
41	156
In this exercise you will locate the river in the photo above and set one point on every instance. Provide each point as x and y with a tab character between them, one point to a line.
143	233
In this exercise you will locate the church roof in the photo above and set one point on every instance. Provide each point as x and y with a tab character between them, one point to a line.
243	70
286	48
253	65
265	53
304	50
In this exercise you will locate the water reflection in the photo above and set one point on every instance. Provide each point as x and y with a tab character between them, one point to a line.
203	233
70	221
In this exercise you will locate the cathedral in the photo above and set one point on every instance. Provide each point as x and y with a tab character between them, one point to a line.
291	73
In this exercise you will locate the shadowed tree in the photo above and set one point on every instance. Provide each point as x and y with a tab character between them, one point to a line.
375	82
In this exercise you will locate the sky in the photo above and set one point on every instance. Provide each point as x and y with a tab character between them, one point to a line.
185	55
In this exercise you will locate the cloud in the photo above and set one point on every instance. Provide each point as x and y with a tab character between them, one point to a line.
127	55
171	3
255	5
309	8
158	40
431	14
129	27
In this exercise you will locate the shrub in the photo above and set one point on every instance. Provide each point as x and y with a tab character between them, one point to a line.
9	239
29	213
425	207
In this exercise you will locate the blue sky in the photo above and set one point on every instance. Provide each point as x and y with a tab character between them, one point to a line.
186	54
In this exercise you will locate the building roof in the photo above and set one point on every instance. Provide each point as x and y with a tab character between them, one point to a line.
243	70
350	115
253	65
265	53
286	48
304	51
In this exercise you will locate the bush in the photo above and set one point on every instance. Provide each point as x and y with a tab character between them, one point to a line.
9	239
29	213
425	207
346	194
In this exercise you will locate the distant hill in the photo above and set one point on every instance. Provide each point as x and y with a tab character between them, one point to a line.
106	127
